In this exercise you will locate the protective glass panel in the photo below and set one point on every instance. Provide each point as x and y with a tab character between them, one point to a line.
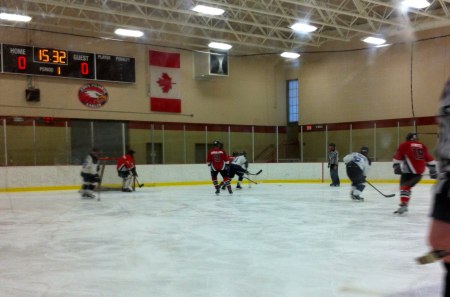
265	145
314	146
386	143
21	146
2	143
428	136
174	144
342	140
51	143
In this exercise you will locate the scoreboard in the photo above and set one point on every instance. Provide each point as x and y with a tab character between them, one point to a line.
31	60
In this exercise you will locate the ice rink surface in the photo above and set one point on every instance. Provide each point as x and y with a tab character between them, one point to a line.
270	240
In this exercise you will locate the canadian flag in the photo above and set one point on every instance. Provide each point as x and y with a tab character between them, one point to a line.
164	81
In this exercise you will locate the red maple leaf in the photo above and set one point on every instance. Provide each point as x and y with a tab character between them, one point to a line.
165	82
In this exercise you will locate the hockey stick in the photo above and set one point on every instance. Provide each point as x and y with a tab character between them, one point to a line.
249	173
139	185
432	256
252	181
387	196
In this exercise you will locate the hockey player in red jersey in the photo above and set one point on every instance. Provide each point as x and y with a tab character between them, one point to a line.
218	162
126	169
410	161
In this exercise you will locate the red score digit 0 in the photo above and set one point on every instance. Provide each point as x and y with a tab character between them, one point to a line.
22	62
84	68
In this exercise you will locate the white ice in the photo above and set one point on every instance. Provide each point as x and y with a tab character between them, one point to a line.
270	240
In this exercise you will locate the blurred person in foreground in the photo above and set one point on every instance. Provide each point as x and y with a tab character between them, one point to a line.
439	235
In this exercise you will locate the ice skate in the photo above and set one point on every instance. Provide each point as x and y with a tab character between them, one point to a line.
217	190
402	209
230	190
432	256
356	197
238	187
87	196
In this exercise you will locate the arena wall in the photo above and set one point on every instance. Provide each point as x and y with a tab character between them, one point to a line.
43	178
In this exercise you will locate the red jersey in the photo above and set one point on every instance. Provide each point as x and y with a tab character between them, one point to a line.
413	157
125	163
217	157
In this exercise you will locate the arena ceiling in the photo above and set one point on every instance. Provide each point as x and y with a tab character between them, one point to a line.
250	26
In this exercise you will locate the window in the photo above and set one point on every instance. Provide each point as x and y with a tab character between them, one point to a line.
292	101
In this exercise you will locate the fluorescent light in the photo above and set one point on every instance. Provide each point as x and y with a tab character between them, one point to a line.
290	55
416	3
303	28
374	40
383	45
14	17
208	10
219	45
131	33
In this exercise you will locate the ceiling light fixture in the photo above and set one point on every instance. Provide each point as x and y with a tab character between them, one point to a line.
303	28
419	4
14	17
290	55
219	45
130	33
208	10
374	40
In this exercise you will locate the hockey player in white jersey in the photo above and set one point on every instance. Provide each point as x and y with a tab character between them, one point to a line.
239	166
357	165
89	173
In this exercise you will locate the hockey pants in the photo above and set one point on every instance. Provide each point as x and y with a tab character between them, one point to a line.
355	174
127	179
407	181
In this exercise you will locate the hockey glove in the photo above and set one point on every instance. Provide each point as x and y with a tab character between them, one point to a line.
433	172
96	178
397	169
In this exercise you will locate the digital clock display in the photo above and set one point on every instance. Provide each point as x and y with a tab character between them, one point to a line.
29	60
50	55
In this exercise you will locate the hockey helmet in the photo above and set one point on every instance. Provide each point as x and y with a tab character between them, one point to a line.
411	136
217	143
235	154
130	152
95	152
332	144
243	153
364	150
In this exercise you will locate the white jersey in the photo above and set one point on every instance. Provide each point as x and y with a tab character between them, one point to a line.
89	165
360	160
241	161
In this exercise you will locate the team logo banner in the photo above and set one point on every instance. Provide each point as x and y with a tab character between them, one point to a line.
164	81
93	95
